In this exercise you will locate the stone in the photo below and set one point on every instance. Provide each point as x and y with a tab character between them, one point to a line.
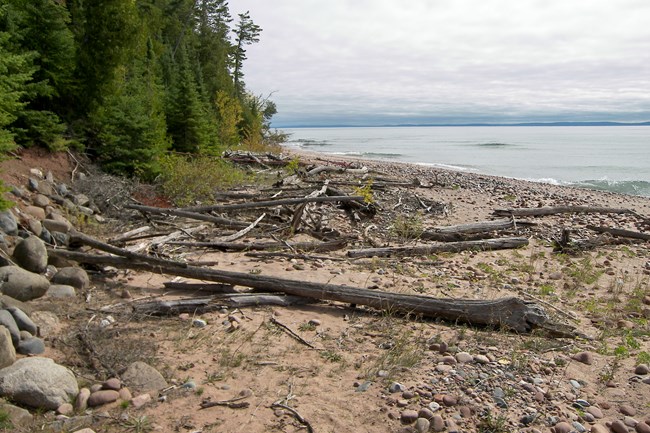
35	212
630	422
48	323
57	225
85	430
112	383
595	411
464	357
618	427
81	403
396	387
65	409
452	427
425	413
31	254
437	423
61	291
141	377
22	320
422	425
562	427
449	360
626	409
40	200
597	428
482	359
408	416
35	226
642	427
103	397
72	276
449	400
125	394
31	346
18	416
8	322
8	223
641	369
21	284
584	357
38	382
7	350
140	400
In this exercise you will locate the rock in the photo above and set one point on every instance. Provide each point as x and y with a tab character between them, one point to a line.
8	223
102	397
425	413
30	254
140	400
626	409
35	212
562	427
35	226
464	357
452	427
65	409
22	320
141	377
31	346
642	427
396	387
81	403
57	225
125	394
437	423
72	276
630	422
618	427
482	359
449	400
85	430
584	357
21	284
449	360
597	428
17	416
60	291
112	383
48	323
408	416
8	322
422	425
555	276
7	350
38	382
40	200
595	411
641	369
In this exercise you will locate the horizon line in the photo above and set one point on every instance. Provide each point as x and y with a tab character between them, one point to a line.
401	125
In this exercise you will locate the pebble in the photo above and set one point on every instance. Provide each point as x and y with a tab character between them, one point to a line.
626	409
103	397
482	359
315	322
408	395
584	357
642	427
451	426
81	402
402	403
449	400
562	427
396	387
578	427
65	409
422	425
425	413
575	384
630	422
408	416
199	323
434	406
140	400
449	360
112	383
595	411
618	427
597	428
437	423
464	357
641	369
125	394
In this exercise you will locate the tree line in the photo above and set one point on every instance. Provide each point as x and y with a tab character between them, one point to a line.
127	80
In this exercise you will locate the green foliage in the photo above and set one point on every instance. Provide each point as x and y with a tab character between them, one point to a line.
294	166
187	180
246	33
365	191
493	424
408	227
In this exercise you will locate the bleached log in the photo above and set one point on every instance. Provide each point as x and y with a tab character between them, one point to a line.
447	247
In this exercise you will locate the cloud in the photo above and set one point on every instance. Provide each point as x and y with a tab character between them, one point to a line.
464	59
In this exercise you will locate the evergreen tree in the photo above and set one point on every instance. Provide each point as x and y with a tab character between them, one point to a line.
246	33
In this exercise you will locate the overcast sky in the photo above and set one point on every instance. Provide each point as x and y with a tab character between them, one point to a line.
450	61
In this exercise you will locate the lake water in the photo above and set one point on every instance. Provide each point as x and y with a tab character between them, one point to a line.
613	158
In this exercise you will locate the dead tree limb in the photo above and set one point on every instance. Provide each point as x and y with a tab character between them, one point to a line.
219	221
334	169
242	232
260	246
448	247
464	231
269	254
621	232
215	303
511	312
554	210
271	203
200	287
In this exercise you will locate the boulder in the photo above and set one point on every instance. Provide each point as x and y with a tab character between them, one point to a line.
35	212
30	346
7	301
57	225
8	223
40	200
61	291
7	351
22	320
38	382
7	321
31	254
17	416
72	276
141	377
21	284
48	323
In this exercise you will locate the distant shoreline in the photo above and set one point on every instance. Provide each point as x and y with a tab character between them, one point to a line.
418	125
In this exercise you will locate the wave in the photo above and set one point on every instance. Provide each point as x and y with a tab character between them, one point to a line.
445	166
493	144
305	142
382	155
630	187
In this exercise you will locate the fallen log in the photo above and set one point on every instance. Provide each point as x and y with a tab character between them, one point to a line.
512	313
335	169
215	303
555	210
200	287
448	247
219	221
621	232
464	231
261	246
270	203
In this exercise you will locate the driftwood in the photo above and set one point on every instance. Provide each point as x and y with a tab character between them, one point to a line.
271	203
215	303
260	246
511	312
465	231
219	221
334	169
571	246
449	247
621	232
200	287
123	237
269	254
554	210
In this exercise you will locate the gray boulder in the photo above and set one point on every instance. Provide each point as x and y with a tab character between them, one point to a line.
72	276
31	254
7	321
38	382
7	350
8	223
17	416
21	284
30	346
57	225
22	320
141	377
60	291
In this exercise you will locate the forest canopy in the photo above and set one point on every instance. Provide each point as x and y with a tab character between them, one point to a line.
128	80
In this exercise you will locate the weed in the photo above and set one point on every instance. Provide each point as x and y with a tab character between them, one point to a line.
365	192
293	167
493	424
124	404
546	289
212	377
5	420
584	272
408	227
200	390
140	424
643	358
331	356
307	327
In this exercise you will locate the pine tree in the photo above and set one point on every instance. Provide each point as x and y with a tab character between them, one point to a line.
246	33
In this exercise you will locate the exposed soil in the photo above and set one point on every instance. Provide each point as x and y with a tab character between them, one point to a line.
506	382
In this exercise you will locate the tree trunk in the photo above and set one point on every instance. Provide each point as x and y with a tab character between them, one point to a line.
554	210
270	203
621	232
465	231
449	247
219	221
260	246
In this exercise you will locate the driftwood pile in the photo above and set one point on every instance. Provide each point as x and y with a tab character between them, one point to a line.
308	203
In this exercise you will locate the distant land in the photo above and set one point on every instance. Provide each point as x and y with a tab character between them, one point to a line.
474	124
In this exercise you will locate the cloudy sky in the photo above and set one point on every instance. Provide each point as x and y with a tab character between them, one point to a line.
450	61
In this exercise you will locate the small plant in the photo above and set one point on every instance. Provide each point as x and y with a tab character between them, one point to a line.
124	404
546	289
331	356
307	327
5	420
493	424
140	424
365	192
643	358
293	167
200	390
408	227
